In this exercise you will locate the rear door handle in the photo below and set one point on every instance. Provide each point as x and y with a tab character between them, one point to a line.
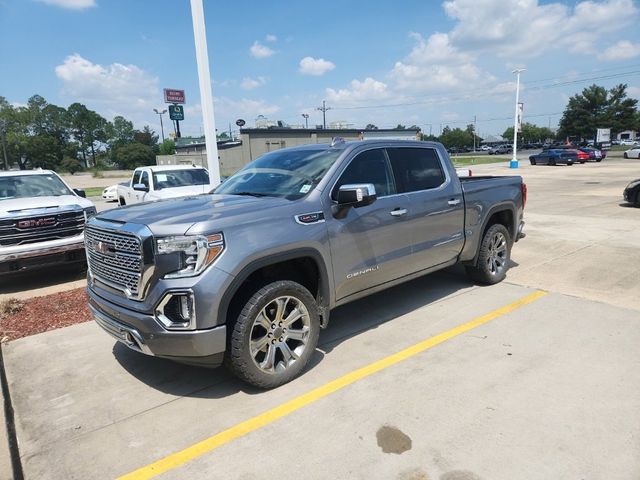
454	201
398	212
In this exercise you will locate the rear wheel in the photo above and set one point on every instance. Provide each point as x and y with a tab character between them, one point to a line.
493	257
625	155
552	162
637	202
274	336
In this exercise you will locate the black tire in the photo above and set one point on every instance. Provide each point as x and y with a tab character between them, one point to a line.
121	202
482	271
582	163
625	155
533	162
598	160
637	202
238	355
569	163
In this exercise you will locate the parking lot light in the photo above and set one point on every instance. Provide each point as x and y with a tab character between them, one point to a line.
514	160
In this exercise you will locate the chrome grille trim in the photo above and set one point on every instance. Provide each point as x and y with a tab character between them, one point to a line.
65	224
121	267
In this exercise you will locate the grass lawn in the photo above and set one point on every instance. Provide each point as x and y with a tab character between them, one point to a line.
466	161
94	191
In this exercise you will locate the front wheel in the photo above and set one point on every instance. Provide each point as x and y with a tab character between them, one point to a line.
625	155
274	336
552	162
533	162
121	202
493	257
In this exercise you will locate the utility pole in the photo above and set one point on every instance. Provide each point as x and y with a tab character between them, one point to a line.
514	160
324	109
474	133
160	113
306	120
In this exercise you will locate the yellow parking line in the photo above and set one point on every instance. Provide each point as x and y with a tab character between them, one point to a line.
183	456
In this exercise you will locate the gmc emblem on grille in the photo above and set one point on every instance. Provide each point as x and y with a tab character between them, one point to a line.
37	222
103	248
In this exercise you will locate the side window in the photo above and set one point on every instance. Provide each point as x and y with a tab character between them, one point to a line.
416	168
136	178
145	179
368	167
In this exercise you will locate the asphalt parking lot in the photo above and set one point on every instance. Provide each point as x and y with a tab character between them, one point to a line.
537	377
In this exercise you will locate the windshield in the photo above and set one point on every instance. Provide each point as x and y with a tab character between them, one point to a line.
290	174
25	186
180	178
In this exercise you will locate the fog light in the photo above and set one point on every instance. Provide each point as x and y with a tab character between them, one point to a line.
176	311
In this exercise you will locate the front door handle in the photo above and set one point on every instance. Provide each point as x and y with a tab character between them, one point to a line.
454	201
398	212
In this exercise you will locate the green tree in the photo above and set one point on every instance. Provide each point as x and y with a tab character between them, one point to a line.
71	165
371	126
168	147
89	130
146	136
530	133
597	107
400	127
134	155
456	137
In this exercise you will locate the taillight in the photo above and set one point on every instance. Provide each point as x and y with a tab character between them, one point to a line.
583	155
523	187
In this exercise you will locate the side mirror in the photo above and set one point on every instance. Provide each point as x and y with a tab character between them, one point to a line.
80	192
140	187
356	195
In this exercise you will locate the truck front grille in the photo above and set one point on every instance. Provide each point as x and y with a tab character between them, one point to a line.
115	259
41	228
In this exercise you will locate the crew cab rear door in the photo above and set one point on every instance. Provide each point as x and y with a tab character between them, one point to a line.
371	245
436	204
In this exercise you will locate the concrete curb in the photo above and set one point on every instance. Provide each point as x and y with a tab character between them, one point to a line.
10	465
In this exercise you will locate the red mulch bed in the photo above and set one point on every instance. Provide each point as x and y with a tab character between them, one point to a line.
42	314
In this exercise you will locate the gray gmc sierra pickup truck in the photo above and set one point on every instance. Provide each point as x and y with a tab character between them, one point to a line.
248	275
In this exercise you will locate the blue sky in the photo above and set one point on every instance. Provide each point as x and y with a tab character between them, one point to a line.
409	62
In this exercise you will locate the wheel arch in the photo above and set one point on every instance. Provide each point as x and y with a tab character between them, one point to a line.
304	265
504	214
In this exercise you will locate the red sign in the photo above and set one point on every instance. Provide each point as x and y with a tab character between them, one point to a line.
172	95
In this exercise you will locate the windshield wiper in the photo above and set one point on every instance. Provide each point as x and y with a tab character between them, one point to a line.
251	194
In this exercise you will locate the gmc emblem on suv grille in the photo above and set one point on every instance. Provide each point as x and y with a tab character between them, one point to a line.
37	222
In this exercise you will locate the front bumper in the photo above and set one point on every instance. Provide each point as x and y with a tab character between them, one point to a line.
141	332
26	257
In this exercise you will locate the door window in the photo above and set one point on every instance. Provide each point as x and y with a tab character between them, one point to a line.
145	179
136	178
368	167
416	169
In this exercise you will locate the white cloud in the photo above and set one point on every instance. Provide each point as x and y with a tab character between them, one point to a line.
115	89
528	28
249	83
436	65
258	50
315	66
623	50
359	92
71	4
271	38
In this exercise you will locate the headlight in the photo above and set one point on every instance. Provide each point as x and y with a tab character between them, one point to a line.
197	252
89	212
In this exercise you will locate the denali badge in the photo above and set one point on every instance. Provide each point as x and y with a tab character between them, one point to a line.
362	272
37	222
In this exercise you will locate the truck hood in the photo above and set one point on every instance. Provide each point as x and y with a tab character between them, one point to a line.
177	215
37	205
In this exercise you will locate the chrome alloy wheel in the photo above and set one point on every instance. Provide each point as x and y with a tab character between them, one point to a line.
497	258
279	334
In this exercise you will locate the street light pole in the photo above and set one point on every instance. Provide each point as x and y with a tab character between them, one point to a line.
514	160
160	113
306	120
324	109
206	96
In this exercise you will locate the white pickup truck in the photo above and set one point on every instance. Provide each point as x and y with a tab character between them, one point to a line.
41	220
161	182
